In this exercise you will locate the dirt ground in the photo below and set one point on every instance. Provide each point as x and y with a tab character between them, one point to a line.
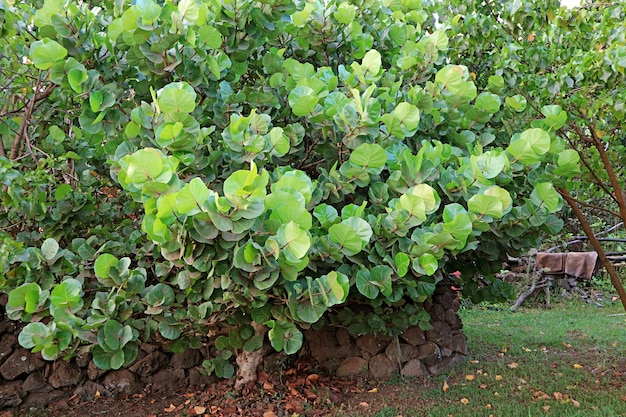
298	391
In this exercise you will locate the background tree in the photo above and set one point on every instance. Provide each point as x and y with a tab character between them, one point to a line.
291	165
566	64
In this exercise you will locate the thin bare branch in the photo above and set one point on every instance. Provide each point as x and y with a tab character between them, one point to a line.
18	142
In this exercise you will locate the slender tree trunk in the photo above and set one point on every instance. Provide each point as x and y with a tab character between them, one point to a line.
248	362
597	246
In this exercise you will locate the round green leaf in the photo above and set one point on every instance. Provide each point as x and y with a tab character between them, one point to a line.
191	197
502	195
294	241
346	237
67	294
178	97
25	297
49	249
107	359
372	157
302	100
170	329
160	295
345	13
46	52
372	62
34	334
370	283
485	205
488	102
429	263
408	115
568	163
103	264
402	263
76	77
491	163
530	145
426	286
285	336
144	165
544	195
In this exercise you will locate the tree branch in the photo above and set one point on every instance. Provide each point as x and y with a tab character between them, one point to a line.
592	171
28	112
618	193
595	243
605	210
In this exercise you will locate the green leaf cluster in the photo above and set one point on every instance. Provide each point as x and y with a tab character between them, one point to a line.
202	167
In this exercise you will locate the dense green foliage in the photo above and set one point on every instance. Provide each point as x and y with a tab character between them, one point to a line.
549	54
287	164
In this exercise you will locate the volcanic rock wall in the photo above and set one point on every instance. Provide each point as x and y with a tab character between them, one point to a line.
27	381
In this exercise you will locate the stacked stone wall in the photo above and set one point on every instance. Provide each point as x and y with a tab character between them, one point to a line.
27	381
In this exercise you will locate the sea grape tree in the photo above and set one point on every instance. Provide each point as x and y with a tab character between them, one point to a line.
298	164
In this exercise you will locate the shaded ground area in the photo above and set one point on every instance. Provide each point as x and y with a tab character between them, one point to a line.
566	361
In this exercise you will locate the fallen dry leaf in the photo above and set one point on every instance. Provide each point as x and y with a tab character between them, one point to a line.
470	377
312	379
293	407
483	386
513	365
578	366
464	401
198	409
364	404
488	406
576	403
373	390
498	377
445	387
474	361
169	409
546	407
269	413
262	376
310	395
557	396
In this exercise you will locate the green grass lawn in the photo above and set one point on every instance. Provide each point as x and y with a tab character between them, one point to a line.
569	360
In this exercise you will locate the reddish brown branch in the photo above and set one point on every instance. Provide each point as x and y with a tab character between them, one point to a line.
592	206
309	150
26	118
618	194
586	163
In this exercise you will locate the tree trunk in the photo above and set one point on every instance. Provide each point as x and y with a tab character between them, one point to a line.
248	362
597	246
